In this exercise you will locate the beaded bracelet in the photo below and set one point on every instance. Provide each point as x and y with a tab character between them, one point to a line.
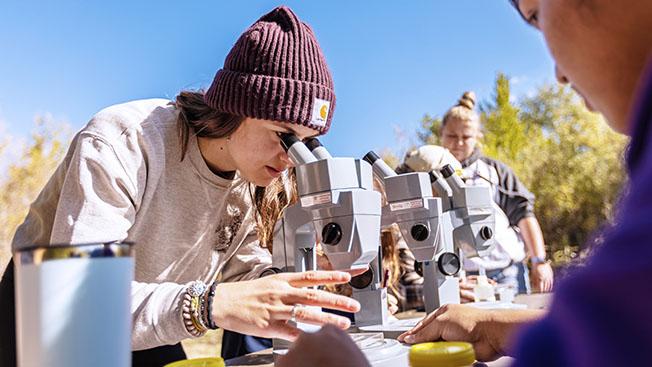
207	316
191	308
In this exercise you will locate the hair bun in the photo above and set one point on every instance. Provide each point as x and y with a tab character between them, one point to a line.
467	100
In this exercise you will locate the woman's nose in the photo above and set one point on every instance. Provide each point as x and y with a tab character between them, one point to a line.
286	160
561	78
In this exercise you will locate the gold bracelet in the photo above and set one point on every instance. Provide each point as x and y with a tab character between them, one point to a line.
194	314
191	308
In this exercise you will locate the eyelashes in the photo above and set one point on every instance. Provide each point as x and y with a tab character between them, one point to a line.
533	18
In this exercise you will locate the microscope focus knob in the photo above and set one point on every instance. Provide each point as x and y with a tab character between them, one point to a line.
418	267
419	232
363	280
486	233
449	263
331	234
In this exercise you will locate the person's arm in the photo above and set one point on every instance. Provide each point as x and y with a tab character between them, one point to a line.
542	274
99	198
489	331
94	197
518	204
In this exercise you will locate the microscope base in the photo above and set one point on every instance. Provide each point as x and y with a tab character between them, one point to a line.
373	306
383	352
379	351
393	328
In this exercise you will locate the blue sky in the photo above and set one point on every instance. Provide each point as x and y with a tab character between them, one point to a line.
392	61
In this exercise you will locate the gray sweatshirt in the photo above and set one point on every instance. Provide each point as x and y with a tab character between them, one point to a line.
122	179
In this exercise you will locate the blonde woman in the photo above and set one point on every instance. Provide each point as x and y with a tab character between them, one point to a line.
461	133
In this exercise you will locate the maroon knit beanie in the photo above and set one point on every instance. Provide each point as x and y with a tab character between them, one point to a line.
276	71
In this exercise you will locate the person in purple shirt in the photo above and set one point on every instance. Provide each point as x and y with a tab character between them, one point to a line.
601	315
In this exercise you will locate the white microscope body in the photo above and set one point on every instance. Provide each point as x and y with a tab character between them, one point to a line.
438	230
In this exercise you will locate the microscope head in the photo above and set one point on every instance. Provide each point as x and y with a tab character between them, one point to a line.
472	214
337	193
412	207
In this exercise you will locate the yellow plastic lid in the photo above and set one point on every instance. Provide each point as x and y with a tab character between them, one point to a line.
198	362
442	354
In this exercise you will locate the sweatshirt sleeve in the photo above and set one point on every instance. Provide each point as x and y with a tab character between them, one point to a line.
98	198
513	197
156	314
98	202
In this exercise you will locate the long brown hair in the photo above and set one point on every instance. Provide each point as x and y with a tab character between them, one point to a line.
204	121
389	245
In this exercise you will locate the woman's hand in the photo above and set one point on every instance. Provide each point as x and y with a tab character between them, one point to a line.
263	306
542	277
316	350
457	323
489	331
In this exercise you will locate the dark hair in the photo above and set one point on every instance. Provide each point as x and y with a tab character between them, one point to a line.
196	117
203	120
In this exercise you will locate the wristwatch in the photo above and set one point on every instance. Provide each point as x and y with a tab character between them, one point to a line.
270	271
537	260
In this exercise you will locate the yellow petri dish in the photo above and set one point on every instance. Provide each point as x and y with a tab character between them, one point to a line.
198	362
442	354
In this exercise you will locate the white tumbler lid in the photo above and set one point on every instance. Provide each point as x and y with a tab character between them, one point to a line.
38	254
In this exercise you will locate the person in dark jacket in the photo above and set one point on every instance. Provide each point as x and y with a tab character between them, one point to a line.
461	134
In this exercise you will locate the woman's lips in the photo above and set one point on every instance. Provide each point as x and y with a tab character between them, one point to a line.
273	171
587	104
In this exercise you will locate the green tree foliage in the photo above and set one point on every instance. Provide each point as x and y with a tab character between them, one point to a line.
574	167
504	134
567	156
25	177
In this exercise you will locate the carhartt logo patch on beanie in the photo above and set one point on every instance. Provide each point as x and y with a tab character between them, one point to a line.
276	71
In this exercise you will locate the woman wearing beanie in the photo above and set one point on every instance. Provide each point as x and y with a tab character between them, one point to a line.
460	134
198	184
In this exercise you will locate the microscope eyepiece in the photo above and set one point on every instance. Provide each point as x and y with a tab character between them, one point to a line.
447	171
316	147
296	150
433	177
381	169
371	157
287	139
313	143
